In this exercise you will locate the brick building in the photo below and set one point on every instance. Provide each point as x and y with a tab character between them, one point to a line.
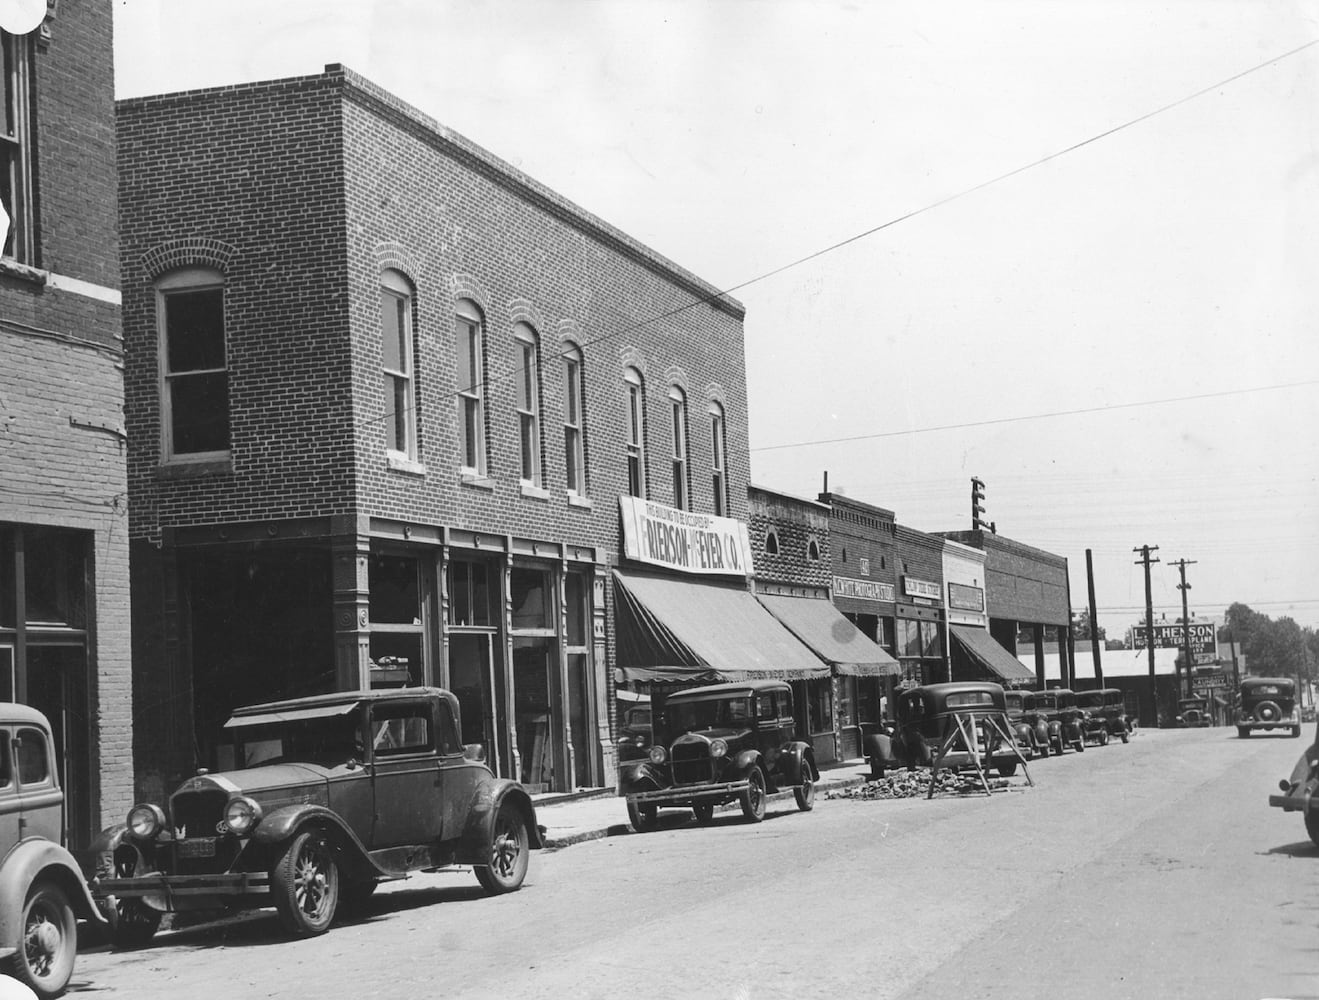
385	393
64	598
920	615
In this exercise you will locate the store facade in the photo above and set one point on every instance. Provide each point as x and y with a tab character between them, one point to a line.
973	653
920	612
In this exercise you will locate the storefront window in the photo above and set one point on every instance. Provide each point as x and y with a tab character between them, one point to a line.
847	701
7	592
472	593
395	659
820	697
55	578
575	593
931	641
395	595
532	604
909	637
868	693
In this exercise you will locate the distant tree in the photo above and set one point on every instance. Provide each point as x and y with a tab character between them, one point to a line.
1081	628
1280	648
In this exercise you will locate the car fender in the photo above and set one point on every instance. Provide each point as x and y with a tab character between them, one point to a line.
792	759
744	761
37	860
639	776
484	807
281	825
882	749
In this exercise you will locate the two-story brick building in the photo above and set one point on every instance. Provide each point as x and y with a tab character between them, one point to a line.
64	599
385	393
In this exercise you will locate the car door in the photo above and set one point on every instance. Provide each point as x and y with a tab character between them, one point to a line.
459	776
10	805
406	773
41	801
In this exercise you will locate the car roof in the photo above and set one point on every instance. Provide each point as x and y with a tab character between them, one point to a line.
338	698
1261	681
11	711
733	689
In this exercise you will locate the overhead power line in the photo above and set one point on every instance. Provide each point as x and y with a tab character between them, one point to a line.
931	206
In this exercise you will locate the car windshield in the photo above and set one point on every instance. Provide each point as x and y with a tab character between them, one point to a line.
1046	700
1193	703
1090	699
689	716
318	741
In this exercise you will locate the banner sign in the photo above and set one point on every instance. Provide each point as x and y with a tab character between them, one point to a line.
920	588
1203	640
965	598
865	590
683	540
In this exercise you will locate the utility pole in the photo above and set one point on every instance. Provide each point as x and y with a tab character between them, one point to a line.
1094	623
1146	559
1181	565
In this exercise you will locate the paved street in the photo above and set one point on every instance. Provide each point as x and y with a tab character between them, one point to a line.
1154	869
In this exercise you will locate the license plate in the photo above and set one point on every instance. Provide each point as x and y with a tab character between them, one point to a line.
202	848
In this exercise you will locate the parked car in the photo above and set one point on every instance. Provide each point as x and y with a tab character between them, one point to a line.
721	743
42	891
932	718
635	735
1300	792
329	796
1267	703
1193	713
1094	724
1058	706
1115	713
1030	728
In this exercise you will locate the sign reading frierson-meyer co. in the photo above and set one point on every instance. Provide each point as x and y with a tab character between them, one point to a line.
684	540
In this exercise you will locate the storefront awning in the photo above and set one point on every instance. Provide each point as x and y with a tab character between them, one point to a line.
984	648
693	631
292	715
834	639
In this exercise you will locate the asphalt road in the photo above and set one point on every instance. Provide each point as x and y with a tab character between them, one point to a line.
1150	870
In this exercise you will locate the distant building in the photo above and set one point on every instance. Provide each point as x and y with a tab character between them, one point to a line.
64	602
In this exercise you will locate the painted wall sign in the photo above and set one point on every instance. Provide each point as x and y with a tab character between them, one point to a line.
920	588
683	540
966	598
865	590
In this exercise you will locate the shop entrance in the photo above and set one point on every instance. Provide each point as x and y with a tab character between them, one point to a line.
472	680
57	687
536	722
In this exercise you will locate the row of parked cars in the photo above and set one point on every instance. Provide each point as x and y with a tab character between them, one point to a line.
330	796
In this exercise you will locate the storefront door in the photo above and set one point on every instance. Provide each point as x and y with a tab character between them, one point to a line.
472	680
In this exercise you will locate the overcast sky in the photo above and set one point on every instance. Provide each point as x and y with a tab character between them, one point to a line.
1175	258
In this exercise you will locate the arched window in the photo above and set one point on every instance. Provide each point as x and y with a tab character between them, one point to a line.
527	348
678	408
194	371
470	335
574	429
718	460
396	364
771	544
635	422
813	550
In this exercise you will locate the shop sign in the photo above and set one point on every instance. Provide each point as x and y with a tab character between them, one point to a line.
920	588
965	598
1209	683
683	540
864	590
1170	637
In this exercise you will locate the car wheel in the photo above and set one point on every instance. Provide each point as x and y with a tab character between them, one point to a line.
876	769
805	792
703	811
509	852
1079	743
642	818
1243	732
132	923
1312	826
1103	738
1268	711
753	799
1007	769
305	884
49	943
1125	735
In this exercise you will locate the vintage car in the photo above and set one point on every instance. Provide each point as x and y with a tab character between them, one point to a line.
1030	728
1300	792
42	892
1094	724
721	743
634	736
1267	703
1115	713
933	722
1193	713
329	796
1064	718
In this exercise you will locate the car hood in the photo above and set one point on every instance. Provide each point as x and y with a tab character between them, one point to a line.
726	733
256	780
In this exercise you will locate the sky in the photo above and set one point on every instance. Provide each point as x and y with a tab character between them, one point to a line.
1067	248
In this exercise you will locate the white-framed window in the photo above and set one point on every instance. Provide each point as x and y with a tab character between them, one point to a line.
718	460
527	349
397	364
470	334
634	419
574	452
16	192
194	372
678	426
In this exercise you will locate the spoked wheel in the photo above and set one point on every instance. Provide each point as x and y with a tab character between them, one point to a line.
509	853
132	923
642	817
805	792
703	811
305	884
49	942
1312	826
753	799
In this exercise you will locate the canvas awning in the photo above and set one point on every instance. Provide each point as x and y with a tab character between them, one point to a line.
693	631
292	715
985	650
834	639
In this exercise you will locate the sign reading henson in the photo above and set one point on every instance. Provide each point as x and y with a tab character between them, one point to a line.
684	540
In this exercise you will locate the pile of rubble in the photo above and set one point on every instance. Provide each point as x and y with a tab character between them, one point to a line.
914	784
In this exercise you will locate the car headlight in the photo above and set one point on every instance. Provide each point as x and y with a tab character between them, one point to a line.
657	754
718	748
145	821
241	815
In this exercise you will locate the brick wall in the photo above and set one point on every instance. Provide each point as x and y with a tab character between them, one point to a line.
795	523
1022	583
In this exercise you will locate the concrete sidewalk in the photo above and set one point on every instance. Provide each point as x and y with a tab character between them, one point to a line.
571	819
